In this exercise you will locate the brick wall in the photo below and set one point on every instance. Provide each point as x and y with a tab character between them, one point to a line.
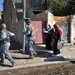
17	29
10	19
38	17
9	13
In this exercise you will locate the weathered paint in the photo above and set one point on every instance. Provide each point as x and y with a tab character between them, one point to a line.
39	25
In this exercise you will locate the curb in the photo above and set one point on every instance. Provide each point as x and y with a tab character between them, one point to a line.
45	61
32	65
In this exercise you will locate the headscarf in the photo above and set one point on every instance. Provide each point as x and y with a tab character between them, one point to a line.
58	32
57	28
50	26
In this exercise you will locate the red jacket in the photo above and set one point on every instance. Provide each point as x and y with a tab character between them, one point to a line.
57	33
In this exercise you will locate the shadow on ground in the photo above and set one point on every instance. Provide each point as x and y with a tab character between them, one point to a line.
42	52
15	45
5	65
39	47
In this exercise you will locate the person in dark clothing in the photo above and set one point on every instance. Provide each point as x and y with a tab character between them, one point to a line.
49	33
56	38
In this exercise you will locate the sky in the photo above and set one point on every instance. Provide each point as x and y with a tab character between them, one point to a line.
1	4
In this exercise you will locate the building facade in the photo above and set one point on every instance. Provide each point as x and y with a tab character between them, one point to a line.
35	9
1	13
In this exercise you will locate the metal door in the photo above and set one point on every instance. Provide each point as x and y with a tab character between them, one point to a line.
39	37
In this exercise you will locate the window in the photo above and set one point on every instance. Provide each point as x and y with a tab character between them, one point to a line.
18	4
38	5
19	1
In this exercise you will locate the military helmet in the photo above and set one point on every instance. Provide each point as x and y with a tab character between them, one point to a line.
27	20
4	26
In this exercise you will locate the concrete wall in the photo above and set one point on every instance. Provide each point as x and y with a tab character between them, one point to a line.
10	18
0	16
72	36
9	13
50	18
64	23
17	29
65	27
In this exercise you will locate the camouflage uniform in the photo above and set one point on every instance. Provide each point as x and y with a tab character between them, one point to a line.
30	38
5	38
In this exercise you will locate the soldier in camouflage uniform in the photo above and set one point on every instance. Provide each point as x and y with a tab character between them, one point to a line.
5	44
30	37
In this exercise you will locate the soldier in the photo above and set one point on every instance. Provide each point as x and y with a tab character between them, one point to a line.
5	44
30	37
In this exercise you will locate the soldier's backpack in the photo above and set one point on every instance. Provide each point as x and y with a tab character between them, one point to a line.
33	31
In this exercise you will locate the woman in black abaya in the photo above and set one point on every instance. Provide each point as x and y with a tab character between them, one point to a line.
49	32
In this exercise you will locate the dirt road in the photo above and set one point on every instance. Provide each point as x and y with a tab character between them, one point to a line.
52	69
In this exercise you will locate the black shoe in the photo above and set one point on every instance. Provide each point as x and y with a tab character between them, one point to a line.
12	64
1	61
31	57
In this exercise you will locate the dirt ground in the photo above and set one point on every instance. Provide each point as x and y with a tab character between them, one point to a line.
52	69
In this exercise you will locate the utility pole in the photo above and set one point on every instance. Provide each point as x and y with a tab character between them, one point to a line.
24	16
